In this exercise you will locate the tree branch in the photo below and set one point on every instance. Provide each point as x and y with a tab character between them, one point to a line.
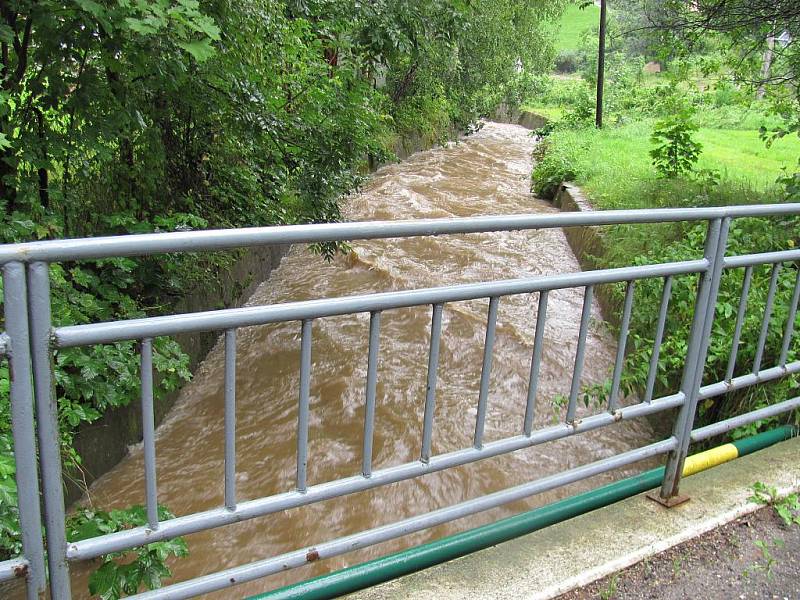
21	48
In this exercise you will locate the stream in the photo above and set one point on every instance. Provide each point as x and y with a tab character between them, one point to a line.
482	174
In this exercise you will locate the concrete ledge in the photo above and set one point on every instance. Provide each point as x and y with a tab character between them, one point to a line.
587	244
574	553
524	118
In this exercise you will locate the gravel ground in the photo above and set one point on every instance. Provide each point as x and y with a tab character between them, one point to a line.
756	556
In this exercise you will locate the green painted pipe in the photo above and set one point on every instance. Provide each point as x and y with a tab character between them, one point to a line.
762	440
421	557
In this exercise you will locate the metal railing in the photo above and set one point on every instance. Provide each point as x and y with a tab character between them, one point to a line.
31	340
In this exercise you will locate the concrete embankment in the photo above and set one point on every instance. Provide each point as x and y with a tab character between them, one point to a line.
588	245
524	118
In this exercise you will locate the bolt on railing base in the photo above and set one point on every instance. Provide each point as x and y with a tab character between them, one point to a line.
655	496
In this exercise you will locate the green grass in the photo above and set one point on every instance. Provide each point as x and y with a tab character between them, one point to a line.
613	165
573	24
742	155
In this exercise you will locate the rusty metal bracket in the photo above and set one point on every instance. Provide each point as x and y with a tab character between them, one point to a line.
655	496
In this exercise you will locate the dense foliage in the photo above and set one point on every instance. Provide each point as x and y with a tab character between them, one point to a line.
718	117
120	116
748	235
569	157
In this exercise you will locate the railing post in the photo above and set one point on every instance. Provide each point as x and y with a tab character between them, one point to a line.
705	306
47	424
22	426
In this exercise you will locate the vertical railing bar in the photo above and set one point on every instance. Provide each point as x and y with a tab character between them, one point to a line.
230	419
430	391
580	353
740	314
662	320
372	382
22	426
762	337
613	399
303	411
488	349
789	331
699	338
40	323
536	359
149	433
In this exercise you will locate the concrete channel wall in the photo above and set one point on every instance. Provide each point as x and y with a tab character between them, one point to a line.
524	118
105	442
587	244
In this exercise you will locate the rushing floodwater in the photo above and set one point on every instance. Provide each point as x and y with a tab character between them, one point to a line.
486	173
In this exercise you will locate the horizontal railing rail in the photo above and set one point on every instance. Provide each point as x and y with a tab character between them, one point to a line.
234	318
251	509
14	568
299	558
221	239
29	345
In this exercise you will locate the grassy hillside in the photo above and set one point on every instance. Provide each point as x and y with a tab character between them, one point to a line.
611	164
574	24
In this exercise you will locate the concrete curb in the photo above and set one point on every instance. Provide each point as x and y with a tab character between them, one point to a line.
576	552
623	562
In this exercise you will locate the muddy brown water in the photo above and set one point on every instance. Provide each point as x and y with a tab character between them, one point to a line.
485	173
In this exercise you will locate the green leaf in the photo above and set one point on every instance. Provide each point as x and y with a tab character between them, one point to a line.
98	11
105	582
201	50
140	26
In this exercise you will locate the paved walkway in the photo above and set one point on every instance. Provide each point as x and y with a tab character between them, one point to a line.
575	553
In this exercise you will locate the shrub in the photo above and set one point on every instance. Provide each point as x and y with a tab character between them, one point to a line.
676	151
555	163
727	94
560	91
126	572
581	112
568	61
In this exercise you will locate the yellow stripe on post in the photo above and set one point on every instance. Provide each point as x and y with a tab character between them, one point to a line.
710	458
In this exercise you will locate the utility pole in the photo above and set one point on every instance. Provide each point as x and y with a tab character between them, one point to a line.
601	59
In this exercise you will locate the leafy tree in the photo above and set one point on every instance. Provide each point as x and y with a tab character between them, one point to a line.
758	42
129	116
